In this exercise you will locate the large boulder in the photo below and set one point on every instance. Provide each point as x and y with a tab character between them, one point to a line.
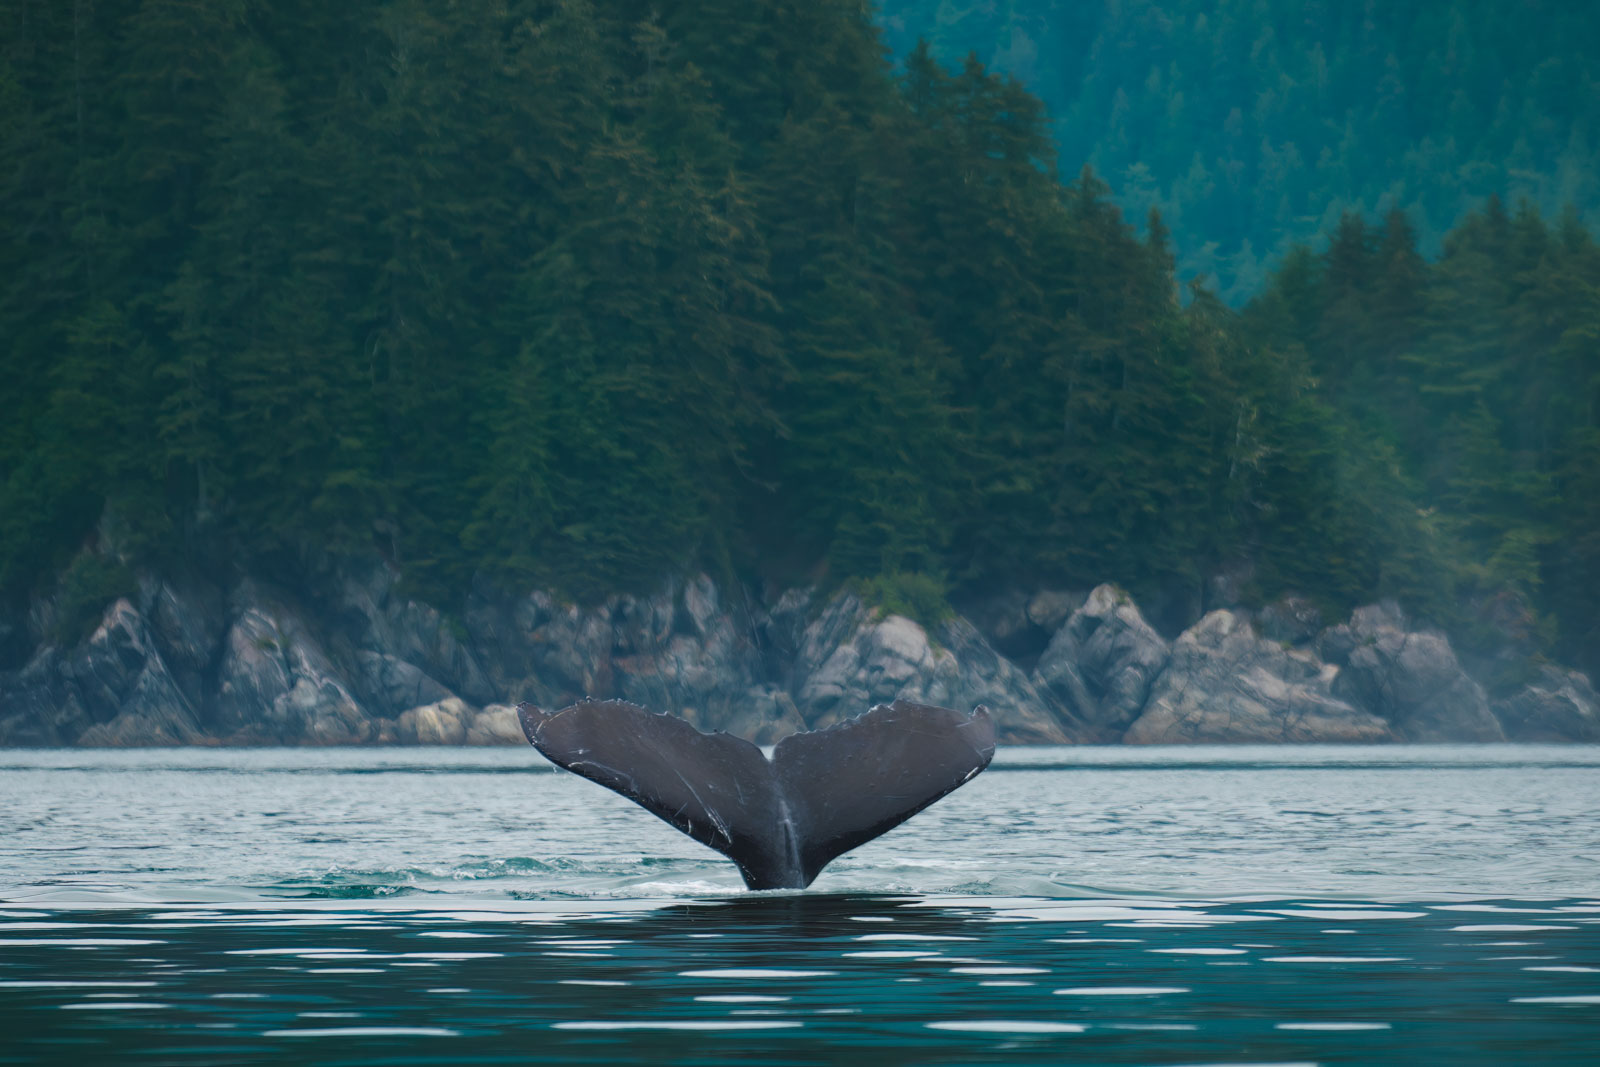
1224	684
853	657
496	724
276	684
1412	680
1101	664
1558	705
443	723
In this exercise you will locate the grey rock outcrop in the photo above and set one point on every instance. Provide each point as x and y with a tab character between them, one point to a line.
1101	664
114	689
370	617
1224	684
1412	680
390	685
680	650
348	656
1557	705
276	684
852	658
187	618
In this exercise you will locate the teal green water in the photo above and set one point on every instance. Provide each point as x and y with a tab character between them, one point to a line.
1163	907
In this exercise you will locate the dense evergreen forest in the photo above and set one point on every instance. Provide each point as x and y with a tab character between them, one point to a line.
1255	124
582	292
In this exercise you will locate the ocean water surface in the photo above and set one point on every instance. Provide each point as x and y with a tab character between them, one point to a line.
1088	905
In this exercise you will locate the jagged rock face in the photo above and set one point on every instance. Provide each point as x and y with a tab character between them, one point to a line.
1411	680
114	689
374	619
276	684
1023	714
357	661
1101	664
1226	685
390	685
851	660
1557	706
680	650
187	619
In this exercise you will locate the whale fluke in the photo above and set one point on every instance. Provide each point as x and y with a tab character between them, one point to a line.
823	793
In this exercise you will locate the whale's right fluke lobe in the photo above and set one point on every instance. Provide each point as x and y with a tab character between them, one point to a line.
823	793
863	777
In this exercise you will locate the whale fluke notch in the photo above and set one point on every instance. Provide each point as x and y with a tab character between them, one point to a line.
823	793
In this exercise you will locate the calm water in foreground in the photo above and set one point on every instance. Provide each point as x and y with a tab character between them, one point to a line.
1086	905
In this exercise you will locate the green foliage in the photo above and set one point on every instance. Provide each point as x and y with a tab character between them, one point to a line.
584	293
923	598
86	587
1465	395
1254	126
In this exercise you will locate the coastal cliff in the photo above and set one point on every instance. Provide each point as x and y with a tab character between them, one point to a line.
347	658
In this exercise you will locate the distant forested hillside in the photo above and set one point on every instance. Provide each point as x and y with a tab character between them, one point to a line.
1255	125
580	293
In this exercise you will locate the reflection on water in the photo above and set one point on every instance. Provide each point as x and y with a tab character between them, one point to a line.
785	978
1163	907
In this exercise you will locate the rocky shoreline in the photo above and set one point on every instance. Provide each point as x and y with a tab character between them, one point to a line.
353	661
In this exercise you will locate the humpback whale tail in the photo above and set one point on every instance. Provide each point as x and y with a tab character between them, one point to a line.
782	820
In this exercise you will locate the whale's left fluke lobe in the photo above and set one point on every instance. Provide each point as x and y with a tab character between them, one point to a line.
781	821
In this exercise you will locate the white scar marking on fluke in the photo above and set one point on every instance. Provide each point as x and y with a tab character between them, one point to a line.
716	820
786	821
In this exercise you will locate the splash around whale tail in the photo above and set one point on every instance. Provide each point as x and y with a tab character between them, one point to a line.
823	792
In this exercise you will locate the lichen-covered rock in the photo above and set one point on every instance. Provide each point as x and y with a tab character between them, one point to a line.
1412	680
35	710
689	656
1557	705
1224	684
276	685
1101	664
